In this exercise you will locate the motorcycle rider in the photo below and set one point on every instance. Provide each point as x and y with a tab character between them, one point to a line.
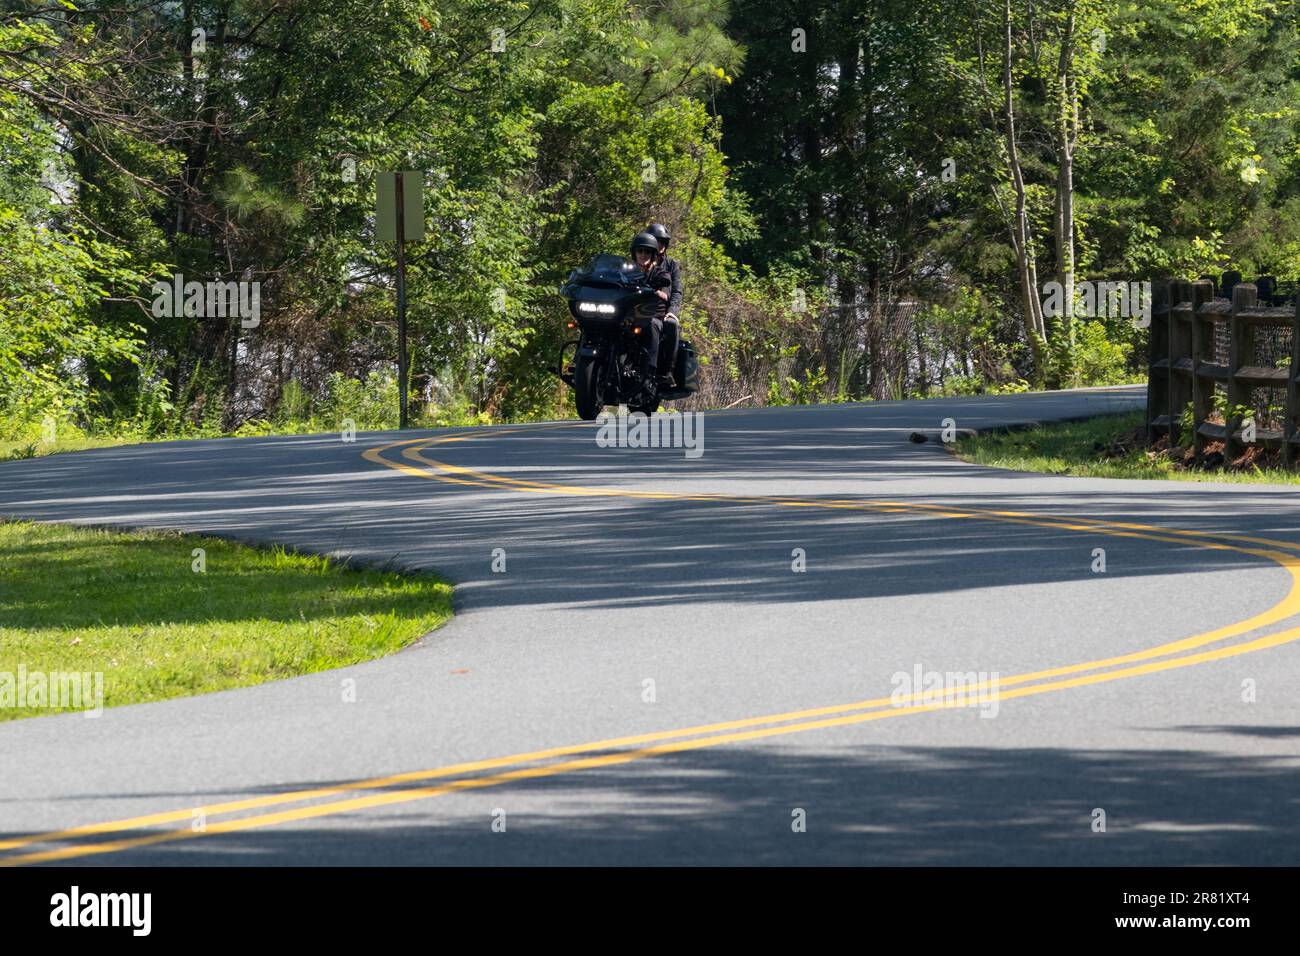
645	253
673	296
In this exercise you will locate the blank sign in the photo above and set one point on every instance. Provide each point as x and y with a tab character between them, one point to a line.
386	205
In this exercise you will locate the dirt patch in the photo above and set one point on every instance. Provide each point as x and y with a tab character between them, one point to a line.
1185	459
1256	457
1126	444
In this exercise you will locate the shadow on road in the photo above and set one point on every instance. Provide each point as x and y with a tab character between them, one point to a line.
315	494
873	806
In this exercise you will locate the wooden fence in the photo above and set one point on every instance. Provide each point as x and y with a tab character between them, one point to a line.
1219	356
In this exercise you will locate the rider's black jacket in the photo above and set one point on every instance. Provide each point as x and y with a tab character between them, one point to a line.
667	274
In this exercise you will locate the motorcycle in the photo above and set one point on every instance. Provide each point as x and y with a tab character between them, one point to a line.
612	307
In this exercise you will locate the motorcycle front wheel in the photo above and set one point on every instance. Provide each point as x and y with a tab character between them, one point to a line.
586	388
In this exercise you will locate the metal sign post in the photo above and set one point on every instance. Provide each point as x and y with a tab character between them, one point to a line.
399	217
401	302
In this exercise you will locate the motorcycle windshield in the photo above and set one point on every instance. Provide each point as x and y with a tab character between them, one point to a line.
609	263
607	268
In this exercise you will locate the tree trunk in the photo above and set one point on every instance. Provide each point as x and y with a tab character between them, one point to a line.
810	138
1067	122
1022	235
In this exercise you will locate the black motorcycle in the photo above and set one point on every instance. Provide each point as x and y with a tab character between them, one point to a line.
612	307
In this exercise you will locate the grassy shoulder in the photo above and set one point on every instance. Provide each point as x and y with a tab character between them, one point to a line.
140	609
36	448
71	438
1110	446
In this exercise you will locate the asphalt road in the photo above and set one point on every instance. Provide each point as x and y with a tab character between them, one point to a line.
651	681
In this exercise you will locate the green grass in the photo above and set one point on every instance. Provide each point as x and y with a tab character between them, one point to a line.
130	605
72	438
1101	447
38	449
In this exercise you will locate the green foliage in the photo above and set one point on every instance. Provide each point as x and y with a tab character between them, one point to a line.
54	271
809	390
867	171
49	283
968	336
1098	358
295	402
371	403
152	408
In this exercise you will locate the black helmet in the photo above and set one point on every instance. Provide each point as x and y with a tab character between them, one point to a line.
644	240
661	234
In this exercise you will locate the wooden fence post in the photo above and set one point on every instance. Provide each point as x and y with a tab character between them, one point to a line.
1230	280
1291	428
1266	288
1241	352
1181	312
1158	361
1204	370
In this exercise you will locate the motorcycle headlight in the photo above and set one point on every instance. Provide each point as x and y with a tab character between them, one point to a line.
597	308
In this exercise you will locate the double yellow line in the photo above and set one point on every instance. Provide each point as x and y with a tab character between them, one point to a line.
395	789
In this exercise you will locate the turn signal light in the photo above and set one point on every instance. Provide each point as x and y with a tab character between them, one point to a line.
636	330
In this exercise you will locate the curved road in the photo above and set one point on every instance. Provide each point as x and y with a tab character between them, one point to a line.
690	660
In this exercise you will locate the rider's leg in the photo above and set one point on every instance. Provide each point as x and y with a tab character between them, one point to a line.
668	350
653	331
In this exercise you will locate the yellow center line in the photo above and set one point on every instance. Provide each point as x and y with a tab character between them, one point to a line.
605	760
723	732
1287	607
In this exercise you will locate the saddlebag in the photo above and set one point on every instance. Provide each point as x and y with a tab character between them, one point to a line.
686	372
